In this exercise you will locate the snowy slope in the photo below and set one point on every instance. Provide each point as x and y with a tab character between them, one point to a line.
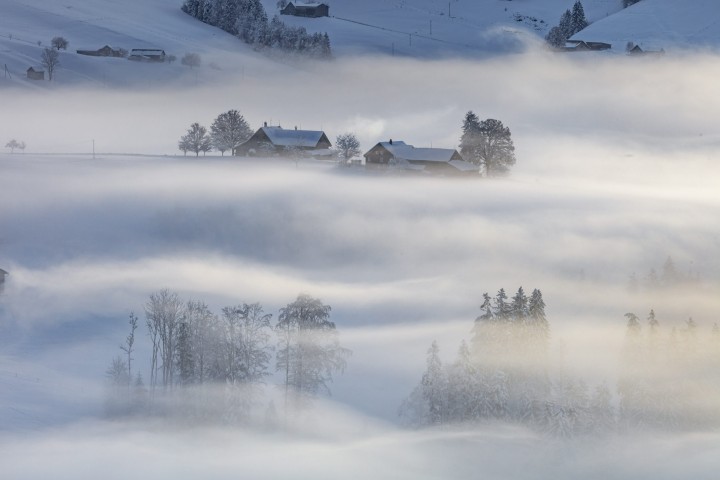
27	26
415	28
656	24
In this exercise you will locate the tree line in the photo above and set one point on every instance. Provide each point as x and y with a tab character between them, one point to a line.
248	20
213	367
668	380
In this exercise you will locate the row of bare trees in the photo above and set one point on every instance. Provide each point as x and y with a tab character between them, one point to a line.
215	365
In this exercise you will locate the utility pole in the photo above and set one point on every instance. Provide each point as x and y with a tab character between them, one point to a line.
431	28
449	14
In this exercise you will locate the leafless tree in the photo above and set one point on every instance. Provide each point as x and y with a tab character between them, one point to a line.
50	59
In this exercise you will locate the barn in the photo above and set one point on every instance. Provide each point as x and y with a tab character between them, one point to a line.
277	141
312	10
147	55
399	155
33	74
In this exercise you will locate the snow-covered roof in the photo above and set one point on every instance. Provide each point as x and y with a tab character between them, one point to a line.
403	151
464	166
293	138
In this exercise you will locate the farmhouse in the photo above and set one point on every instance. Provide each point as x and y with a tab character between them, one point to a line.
439	161
147	55
106	51
583	46
33	74
312	10
277	141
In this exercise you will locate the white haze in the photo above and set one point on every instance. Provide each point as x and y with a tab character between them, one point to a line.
617	170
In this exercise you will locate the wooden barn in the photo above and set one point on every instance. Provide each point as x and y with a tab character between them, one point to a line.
312	10
147	55
437	161
277	141
583	46
33	74
106	51
638	51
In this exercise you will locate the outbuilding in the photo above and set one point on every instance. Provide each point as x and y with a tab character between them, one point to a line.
312	10
399	155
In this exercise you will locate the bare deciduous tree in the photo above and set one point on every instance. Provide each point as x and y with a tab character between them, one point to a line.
50	59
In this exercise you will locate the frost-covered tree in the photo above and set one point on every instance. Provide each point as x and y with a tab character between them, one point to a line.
434	386
229	131
191	60
59	43
487	143
164	313
347	146
12	145
50	60
571	22
129	346
308	350
195	140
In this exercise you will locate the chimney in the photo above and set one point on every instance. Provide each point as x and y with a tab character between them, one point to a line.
264	124
391	141
295	127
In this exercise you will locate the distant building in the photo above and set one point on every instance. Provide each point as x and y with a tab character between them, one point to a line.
147	55
277	141
399	155
106	51
312	10
33	74
3	274
637	50
584	46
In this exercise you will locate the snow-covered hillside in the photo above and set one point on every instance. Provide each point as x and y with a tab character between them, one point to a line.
410	28
415	28
660	24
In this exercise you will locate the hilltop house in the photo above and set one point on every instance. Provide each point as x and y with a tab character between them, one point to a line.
312	10
277	141
438	161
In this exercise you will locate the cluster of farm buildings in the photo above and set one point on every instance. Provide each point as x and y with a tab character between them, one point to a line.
278	141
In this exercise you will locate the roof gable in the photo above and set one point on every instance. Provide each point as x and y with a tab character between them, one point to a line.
403	151
293	138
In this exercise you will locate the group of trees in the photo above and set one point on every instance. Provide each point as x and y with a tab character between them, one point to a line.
213	366
571	22
669	276
228	131
666	380
487	143
248	20
669	376
13	144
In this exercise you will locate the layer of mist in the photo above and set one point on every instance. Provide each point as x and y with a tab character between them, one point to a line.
617	171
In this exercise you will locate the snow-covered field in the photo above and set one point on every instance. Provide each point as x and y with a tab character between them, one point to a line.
613	176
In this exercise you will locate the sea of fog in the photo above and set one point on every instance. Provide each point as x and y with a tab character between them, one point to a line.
617	170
